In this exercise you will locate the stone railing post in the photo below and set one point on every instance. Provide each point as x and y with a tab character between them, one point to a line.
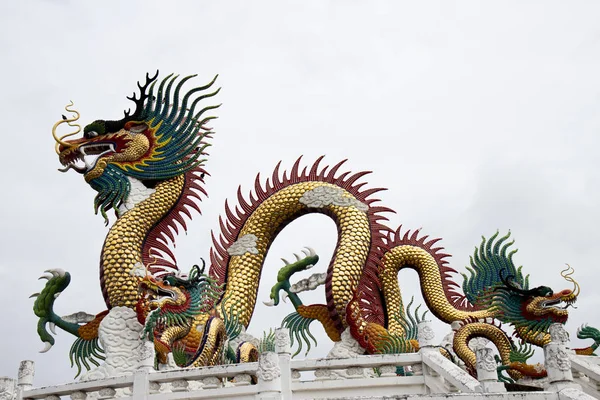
426	337
557	361
141	385
25	377
487	373
282	347
269	376
7	388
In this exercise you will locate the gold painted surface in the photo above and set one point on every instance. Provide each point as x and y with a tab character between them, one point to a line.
320	313
490	332
173	333
430	281
354	242
534	337
123	245
213	348
248	352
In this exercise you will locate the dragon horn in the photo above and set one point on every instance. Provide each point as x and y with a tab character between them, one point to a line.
68	121
566	273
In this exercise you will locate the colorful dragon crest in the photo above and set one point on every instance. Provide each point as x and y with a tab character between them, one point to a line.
148	168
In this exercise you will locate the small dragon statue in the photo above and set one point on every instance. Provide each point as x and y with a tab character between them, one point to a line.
148	168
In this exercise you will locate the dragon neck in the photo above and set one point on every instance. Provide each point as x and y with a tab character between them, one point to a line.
247	253
432	285
125	241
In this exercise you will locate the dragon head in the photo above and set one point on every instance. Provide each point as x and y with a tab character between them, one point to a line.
178	315
163	138
496	283
532	311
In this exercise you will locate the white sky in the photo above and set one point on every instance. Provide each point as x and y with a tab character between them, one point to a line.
476	115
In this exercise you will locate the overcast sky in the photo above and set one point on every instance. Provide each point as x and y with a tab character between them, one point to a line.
476	115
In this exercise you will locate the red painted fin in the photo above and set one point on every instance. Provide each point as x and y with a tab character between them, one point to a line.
157	252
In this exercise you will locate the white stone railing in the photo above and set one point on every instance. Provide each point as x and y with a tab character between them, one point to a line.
586	372
276	376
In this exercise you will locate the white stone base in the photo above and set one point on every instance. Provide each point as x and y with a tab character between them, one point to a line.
119	334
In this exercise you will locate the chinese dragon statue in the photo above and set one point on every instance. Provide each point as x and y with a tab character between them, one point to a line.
148	168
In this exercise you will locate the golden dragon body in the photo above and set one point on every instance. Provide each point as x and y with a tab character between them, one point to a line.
159	147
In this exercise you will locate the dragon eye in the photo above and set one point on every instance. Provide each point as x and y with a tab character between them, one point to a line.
92	134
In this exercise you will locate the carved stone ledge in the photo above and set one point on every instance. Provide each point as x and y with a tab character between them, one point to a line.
387	371
355	372
322	374
78	395
154	387
107	393
180	385
295	375
211	382
417	369
242	380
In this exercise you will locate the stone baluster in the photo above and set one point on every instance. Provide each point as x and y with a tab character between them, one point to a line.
25	377
141	384
386	371
181	385
283	349
426	337
7	388
107	393
78	395
487	373
557	361
146	356
269	376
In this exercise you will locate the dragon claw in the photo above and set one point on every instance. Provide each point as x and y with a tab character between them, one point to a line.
47	346
36	294
52	327
269	303
56	272
284	297
46	276
309	251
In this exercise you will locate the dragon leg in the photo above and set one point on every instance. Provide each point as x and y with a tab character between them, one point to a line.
588	332
286	272
299	322
81	325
